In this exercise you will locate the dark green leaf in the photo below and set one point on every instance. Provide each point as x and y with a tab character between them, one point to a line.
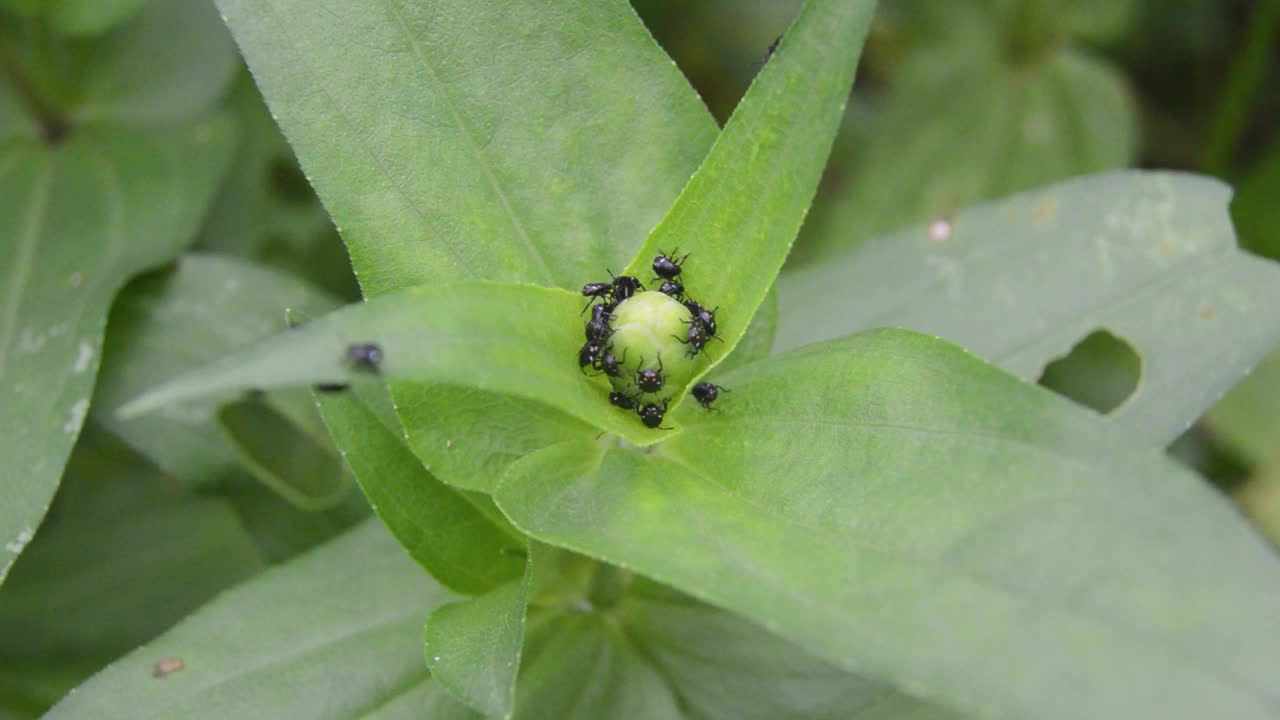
867	499
88	17
441	527
740	212
1149	257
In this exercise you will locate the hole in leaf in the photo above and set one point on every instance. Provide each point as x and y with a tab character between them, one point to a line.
287	182
1101	372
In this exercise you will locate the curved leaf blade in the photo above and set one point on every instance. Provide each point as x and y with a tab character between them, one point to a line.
867	499
742	209
496	338
1150	257
441	528
521	141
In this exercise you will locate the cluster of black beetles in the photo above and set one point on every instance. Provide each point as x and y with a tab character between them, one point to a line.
597	353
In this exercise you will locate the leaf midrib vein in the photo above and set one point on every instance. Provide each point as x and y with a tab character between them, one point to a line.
472	142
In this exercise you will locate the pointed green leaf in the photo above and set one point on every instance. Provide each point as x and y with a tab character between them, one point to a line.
868	499
442	529
740	212
1149	257
497	338
519	141
333	634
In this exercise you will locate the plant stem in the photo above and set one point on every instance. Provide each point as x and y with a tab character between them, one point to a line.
53	126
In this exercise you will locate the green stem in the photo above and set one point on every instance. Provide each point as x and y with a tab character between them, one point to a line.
1243	80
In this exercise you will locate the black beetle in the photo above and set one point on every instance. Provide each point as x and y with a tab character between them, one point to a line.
624	286
366	357
650	379
611	365
671	288
597	330
622	400
651	415
706	393
666	266
589	355
695	337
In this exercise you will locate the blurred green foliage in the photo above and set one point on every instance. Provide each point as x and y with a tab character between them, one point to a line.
956	102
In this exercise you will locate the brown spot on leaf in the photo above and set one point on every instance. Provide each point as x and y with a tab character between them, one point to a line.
1206	313
167	667
1046	211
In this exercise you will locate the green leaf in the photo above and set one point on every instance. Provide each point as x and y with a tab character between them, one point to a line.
740	212
497	338
1149	257
333	634
1026	121
86	216
473	648
514	142
442	528
867	499
123	555
170	322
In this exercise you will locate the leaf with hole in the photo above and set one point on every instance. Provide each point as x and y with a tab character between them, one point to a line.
1149	257
866	499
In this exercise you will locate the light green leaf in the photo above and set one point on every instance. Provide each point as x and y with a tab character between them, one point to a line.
497	338
517	141
333	634
1149	257
442	528
85	216
866	499
740	212
1025	122
123	555
173	321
